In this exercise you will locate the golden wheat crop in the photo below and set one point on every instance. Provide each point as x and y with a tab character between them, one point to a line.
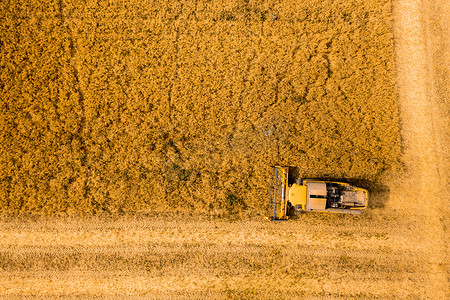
114	105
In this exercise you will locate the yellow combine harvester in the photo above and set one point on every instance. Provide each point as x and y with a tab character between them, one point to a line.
313	195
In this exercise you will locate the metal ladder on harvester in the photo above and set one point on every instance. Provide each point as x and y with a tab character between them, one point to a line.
278	201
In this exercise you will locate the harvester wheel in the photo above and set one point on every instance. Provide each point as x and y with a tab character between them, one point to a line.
289	209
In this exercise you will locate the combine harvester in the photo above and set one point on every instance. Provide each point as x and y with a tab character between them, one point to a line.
312	195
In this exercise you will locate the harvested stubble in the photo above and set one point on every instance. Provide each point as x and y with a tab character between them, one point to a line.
149	105
328	256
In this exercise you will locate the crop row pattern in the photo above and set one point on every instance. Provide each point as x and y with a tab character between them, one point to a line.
148	105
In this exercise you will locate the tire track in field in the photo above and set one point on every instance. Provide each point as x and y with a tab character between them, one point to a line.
80	135
420	194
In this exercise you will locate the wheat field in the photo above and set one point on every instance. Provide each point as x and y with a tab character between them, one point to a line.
191	257
155	105
137	137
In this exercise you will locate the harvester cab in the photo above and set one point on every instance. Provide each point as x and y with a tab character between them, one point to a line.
312	195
